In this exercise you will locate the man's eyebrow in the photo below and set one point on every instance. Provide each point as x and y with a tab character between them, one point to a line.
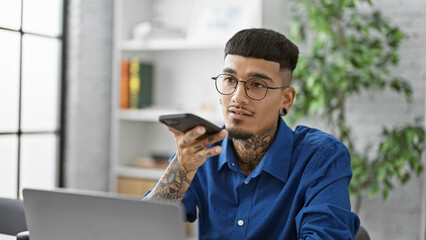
229	70
252	75
260	75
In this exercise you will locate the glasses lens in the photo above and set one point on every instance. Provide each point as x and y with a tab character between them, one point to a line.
256	88
225	84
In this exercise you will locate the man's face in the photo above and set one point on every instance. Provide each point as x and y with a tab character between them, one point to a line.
244	115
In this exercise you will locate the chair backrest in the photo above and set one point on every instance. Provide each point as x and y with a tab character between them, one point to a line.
12	217
362	234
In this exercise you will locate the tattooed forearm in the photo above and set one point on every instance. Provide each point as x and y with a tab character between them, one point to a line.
174	183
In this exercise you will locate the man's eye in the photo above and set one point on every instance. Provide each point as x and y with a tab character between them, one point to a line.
258	84
229	80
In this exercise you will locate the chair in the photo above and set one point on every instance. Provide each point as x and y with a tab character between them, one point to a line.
12	218
362	234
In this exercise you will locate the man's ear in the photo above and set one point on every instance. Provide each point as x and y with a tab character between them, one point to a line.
288	98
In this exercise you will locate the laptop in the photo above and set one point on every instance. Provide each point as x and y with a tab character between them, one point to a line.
79	215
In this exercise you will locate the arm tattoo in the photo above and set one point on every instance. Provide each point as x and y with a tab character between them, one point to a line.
174	183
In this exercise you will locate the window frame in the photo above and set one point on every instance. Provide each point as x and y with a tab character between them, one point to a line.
59	132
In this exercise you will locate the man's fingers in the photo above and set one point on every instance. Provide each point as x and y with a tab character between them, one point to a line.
193	142
196	132
209	140
190	137
203	154
174	131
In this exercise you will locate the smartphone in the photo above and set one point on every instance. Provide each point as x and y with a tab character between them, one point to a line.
187	121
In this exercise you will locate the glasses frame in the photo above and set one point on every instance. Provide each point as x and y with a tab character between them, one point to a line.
245	86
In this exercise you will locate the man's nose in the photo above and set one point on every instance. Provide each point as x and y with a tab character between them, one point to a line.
240	95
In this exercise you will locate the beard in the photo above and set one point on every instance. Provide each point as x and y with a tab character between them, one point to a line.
237	134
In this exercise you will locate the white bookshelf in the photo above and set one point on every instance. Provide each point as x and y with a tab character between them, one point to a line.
182	72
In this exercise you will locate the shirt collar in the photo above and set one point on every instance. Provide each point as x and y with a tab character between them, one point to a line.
278	157
227	155
276	160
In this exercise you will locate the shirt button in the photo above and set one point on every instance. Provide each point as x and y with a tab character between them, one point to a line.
240	222
246	182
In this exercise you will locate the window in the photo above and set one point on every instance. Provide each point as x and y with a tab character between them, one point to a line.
31	77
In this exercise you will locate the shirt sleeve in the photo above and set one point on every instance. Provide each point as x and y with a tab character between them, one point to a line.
326	213
189	203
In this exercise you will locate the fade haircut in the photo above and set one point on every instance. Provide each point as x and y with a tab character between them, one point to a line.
264	44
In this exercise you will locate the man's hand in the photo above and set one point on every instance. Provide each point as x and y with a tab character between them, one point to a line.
192	145
191	154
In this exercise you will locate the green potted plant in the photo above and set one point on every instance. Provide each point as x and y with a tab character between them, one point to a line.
353	50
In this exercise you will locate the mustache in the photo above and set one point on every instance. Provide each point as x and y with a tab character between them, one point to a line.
241	107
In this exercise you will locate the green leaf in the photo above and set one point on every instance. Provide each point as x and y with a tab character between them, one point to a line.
385	194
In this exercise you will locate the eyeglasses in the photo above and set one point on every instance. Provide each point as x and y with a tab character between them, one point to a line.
255	88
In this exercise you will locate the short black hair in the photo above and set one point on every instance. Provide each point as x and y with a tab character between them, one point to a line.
264	44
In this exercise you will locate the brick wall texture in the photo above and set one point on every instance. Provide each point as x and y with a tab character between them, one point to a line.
402	215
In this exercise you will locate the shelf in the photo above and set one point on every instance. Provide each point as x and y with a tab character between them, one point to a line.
135	172
152	114
144	115
170	44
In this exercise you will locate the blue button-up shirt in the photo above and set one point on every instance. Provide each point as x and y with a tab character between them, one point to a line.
299	190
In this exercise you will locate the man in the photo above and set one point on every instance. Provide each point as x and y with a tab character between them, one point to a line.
258	179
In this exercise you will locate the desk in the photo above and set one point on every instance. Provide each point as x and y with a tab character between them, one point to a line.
7	237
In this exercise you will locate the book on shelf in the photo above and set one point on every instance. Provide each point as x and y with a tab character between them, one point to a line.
124	84
140	77
134	83
145	91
